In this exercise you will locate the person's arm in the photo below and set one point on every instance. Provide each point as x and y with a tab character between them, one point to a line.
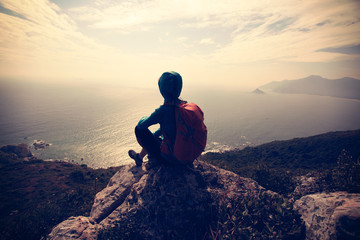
146	122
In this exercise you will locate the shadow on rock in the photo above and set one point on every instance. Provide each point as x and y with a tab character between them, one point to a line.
166	202
173	203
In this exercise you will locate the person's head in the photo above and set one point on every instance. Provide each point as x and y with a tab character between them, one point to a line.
170	85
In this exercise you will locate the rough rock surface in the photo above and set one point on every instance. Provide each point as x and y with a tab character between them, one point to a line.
162	203
75	228
22	150
330	215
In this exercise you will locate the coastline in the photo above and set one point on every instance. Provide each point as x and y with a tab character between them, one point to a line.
43	193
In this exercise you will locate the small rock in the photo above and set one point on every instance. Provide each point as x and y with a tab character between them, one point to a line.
40	144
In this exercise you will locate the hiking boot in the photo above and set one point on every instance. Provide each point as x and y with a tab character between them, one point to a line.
136	157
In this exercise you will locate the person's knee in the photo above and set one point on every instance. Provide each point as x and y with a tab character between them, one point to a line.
143	135
139	131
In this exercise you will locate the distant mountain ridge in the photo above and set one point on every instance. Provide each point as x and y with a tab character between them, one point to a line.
316	85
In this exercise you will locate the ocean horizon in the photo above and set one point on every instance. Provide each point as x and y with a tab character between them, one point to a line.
95	125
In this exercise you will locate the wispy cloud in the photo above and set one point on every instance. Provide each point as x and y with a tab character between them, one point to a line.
296	33
11	13
281	25
351	50
129	14
207	41
106	38
265	25
45	43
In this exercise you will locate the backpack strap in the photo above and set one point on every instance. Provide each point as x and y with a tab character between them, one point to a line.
167	146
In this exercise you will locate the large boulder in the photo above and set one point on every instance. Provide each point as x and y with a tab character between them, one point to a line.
330	215
21	150
162	203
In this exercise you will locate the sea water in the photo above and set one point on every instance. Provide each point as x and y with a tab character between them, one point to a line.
94	125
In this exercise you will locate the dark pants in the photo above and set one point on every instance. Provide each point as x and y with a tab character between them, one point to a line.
150	143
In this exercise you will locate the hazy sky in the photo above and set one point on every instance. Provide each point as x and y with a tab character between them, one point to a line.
223	43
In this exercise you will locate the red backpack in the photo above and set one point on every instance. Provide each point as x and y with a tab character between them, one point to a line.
191	133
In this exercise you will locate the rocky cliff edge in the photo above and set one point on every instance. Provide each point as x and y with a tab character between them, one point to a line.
162	203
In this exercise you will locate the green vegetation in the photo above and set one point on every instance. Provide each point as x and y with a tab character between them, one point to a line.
37	195
122	230
260	218
275	166
345	176
332	157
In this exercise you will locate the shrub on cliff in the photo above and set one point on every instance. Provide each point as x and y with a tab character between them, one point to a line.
277	180
346	175
35	195
260	218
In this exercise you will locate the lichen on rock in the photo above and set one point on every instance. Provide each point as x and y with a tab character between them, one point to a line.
330	215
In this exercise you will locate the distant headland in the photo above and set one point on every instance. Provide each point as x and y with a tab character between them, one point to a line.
316	85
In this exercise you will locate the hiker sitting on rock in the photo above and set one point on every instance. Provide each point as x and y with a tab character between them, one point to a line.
165	145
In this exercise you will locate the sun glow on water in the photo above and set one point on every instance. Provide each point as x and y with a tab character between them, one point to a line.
96	126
